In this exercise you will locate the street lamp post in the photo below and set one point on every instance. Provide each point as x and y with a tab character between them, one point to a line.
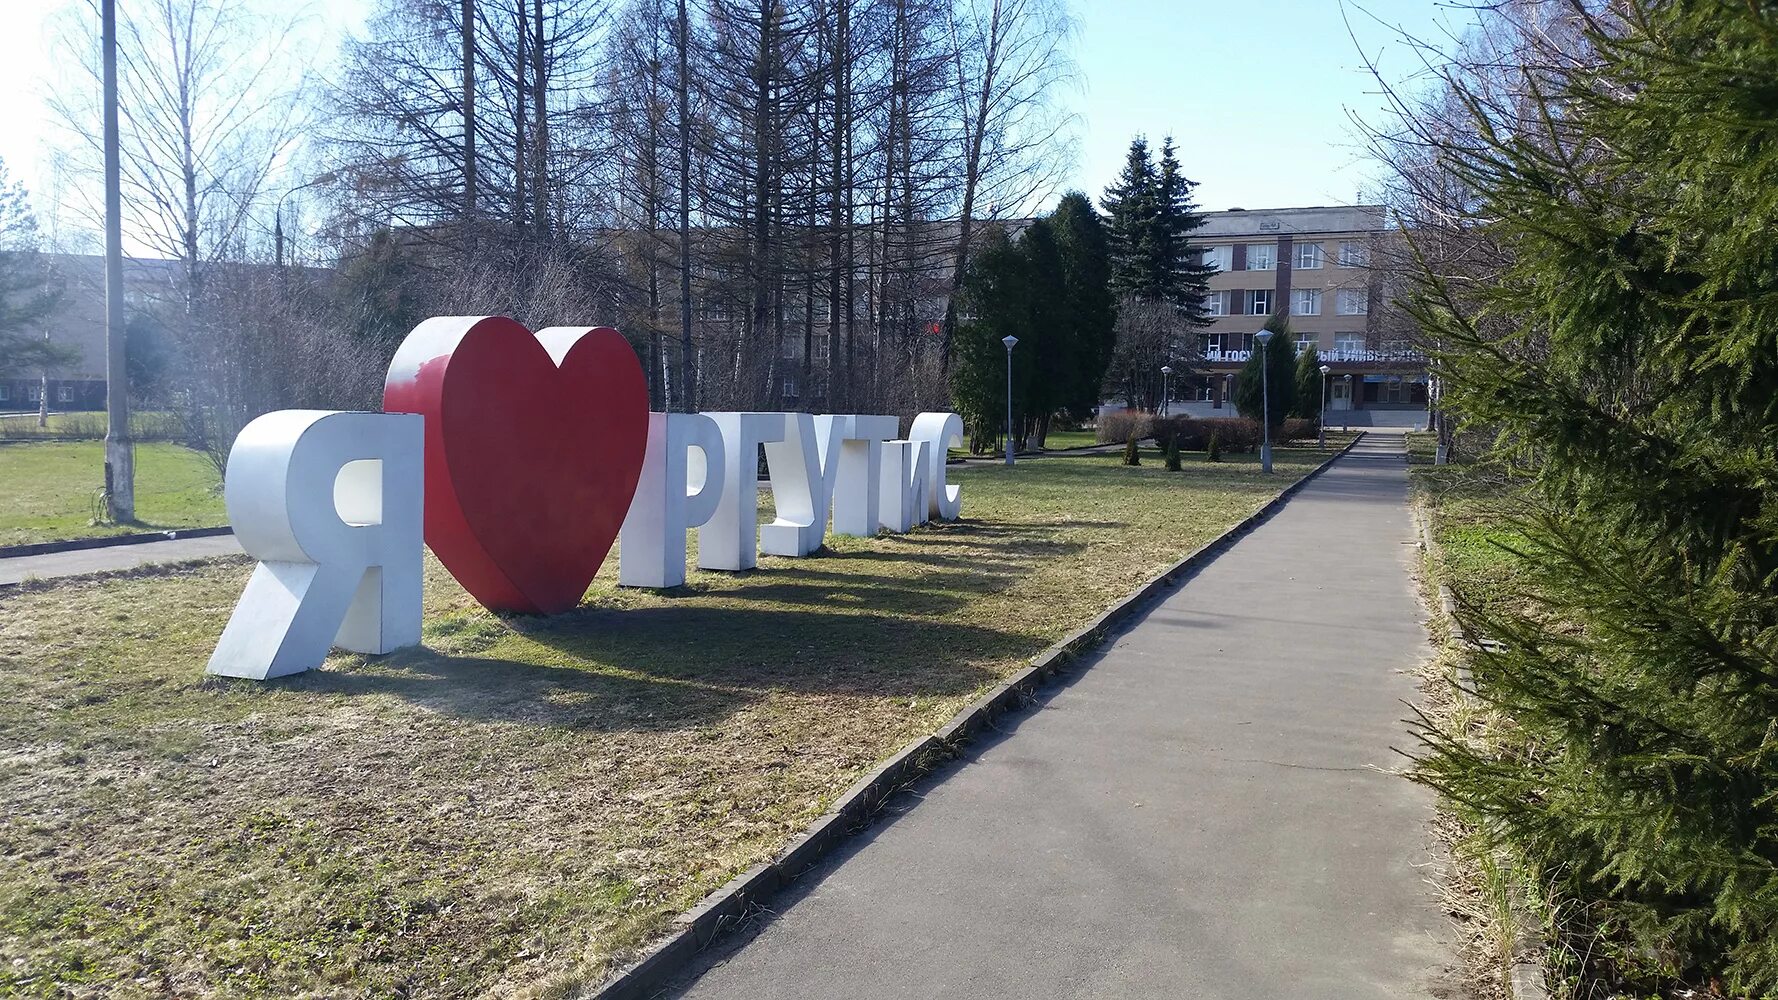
1265	403
278	215
1345	419
1166	370
1010	341
1321	425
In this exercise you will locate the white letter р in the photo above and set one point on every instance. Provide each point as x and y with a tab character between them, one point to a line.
330	505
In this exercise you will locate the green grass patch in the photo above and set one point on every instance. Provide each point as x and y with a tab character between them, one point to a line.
523	802
1058	440
89	425
50	490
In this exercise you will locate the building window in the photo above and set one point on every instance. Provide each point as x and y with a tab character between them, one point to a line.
1212	345
1307	342
1216	304
1305	302
1259	301
64	394
1218	258
1308	256
1352	302
5	392
790	386
1262	256
1348	345
1353	254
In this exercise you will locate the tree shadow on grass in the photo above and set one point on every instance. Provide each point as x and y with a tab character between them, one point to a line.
845	623
808	651
492	689
683	666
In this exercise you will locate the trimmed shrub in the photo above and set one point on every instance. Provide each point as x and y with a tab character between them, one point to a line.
1122	426
1214	452
1173	454
1298	428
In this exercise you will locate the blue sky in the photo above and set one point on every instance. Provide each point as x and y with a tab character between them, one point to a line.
1258	93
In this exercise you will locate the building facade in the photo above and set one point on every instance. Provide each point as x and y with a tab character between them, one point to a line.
1315	263
78	321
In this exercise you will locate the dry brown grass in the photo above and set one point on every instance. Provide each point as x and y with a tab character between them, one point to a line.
523	802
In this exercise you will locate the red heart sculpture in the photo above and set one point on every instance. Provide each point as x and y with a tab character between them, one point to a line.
533	448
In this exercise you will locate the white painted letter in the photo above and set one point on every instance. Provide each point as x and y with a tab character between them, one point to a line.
855	489
330	505
802	469
941	431
902	499
681	484
730	539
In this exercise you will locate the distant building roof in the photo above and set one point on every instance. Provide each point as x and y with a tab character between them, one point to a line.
1285	221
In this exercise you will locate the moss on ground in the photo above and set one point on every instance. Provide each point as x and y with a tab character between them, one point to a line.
524	801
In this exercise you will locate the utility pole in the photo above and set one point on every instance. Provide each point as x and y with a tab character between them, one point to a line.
43	393
688	384
469	173
120	459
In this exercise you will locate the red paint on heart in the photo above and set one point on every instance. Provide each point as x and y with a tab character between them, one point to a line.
531	460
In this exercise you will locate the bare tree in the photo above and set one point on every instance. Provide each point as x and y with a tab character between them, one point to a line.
211	105
1010	56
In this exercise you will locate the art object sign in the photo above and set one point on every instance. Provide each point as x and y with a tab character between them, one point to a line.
519	458
330	505
533	447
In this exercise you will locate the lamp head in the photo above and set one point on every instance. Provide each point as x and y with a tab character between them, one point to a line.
1325	369
1261	337
1166	369
1010	341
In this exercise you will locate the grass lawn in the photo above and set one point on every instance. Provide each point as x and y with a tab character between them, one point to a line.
523	802
145	425
49	490
1471	508
1058	440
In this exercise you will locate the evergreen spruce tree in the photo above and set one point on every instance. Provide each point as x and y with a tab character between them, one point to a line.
1183	279
1309	390
1279	359
1131	206
1627	350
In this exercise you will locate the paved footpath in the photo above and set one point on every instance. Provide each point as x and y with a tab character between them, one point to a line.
110	558
1202	812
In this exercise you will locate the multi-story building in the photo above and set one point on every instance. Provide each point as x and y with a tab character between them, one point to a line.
78	321
1316	264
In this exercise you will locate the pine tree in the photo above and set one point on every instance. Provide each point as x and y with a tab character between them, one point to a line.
1279	359
1626	347
1132	205
1183	279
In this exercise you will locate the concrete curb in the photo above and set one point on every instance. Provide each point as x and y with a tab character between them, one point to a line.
106	541
1525	976
696	928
